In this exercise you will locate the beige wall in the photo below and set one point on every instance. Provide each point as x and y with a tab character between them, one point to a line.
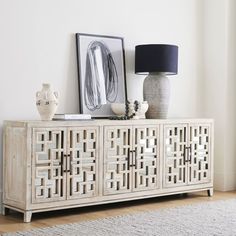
230	147
219	85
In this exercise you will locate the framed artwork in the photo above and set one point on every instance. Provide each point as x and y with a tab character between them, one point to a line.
101	73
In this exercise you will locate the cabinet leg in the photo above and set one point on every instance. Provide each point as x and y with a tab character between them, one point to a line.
27	216
5	211
210	192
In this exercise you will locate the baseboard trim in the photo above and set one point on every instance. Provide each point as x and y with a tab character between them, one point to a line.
219	181
230	181
225	182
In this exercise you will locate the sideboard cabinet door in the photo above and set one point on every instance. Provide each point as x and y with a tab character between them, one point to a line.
117	146
199	165
175	143
146	159
48	178
82	162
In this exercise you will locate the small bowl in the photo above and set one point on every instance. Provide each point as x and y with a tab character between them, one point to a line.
118	108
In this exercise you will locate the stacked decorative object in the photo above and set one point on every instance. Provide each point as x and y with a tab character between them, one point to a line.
156	60
120	109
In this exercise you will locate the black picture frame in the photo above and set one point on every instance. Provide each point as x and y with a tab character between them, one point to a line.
101	73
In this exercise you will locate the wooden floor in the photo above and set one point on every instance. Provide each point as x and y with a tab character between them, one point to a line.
14	221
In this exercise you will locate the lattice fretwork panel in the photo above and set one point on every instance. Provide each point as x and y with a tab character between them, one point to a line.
199	164
48	179
116	160
83	159
145	158
175	141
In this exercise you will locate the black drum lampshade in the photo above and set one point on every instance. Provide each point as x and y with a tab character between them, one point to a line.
153	58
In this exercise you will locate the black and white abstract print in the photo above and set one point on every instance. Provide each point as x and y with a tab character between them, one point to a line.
101	77
101	73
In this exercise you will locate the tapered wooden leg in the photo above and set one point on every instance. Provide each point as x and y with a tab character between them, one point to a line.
210	192
27	216
5	211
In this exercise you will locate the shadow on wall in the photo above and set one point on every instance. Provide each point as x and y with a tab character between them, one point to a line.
71	90
134	82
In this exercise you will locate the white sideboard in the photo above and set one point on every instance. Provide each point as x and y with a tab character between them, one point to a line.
55	165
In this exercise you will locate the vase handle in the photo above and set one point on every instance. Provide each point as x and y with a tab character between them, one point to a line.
37	94
56	94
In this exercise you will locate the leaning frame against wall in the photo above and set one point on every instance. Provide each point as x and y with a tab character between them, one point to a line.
101	73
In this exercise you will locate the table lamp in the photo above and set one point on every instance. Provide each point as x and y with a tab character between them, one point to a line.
157	61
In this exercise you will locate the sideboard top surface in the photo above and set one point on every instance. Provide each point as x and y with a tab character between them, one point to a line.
101	122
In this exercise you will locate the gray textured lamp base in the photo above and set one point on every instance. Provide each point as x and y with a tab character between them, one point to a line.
156	91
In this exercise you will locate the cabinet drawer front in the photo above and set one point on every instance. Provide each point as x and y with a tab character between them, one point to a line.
82	177
48	178
175	142
117	144
199	165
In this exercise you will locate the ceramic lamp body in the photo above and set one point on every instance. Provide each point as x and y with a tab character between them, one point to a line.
156	91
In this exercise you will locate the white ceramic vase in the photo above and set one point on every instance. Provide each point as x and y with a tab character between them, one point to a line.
46	102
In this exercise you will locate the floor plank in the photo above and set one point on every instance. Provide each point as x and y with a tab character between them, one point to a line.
14	221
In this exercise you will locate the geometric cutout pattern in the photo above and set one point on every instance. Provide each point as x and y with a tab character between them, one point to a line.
82	162
175	143
199	161
48	179
145	157
117	159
